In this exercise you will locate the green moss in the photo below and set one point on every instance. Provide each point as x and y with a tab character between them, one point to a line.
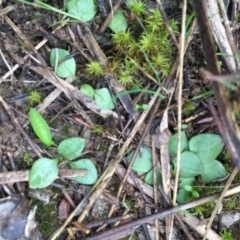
188	108
226	234
151	50
231	203
47	217
94	68
27	159
139	8
126	78
98	129
122	39
34	97
66	129
129	204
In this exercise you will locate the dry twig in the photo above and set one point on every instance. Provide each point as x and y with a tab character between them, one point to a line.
180	82
111	233
23	176
231	135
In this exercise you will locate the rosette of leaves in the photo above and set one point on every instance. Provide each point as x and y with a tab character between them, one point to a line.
198	158
44	170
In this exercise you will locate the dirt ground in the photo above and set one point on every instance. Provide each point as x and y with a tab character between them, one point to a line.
118	205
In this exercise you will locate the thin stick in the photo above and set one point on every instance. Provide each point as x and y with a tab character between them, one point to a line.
177	216
16	66
228	31
136	152
165	18
112	233
155	167
6	62
110	15
23	176
14	168
180	82
219	201
230	128
17	125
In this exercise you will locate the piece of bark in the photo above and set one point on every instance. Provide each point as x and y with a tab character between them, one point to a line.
219	33
199	226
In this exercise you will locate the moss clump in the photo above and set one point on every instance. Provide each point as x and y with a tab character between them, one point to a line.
34	97
94	68
150	50
188	108
46	217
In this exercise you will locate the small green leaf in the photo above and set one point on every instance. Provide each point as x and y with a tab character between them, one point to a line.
71	148
130	2
87	90
206	146
85	164
195	194
40	127
172	146
143	161
140	106
118	22
83	9
37	15
66	68
103	99
183	196
149	177
212	171
190	166
188	188
43	172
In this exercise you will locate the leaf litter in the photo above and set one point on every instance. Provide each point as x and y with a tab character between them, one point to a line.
113	130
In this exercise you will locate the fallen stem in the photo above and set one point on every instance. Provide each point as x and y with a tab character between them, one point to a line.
23	176
114	231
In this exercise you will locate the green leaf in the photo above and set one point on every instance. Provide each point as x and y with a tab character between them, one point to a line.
190	166
186	181
227	84
66	68
118	22
172	145
183	196
83	9
195	194
103	98
143	161
85	164
43	172
188	188
149	177
206	146
71	148
40	127
129	2
212	171
87	90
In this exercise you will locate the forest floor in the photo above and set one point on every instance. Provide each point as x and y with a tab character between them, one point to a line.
113	89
